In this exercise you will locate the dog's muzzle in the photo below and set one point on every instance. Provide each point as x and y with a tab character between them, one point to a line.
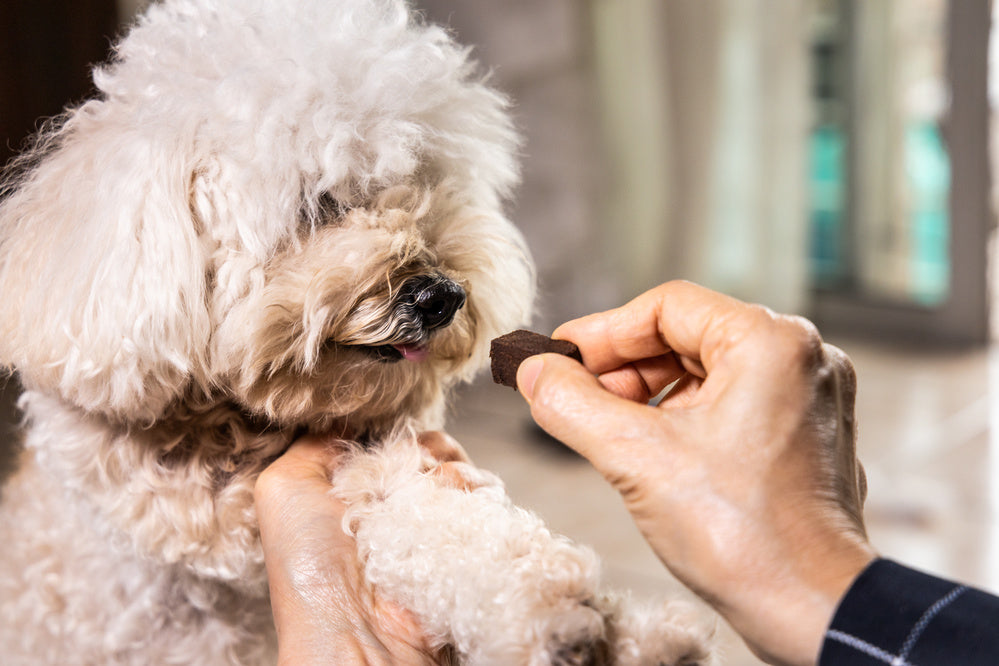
434	298
424	304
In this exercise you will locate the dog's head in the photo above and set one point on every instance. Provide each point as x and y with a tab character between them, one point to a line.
293	205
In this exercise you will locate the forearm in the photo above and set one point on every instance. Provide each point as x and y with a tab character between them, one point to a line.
306	625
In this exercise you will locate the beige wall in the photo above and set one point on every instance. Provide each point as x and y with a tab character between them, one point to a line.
540	53
663	140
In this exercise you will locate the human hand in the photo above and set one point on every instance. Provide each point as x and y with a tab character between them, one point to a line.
744	479
323	610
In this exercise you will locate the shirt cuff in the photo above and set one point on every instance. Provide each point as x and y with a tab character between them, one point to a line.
895	615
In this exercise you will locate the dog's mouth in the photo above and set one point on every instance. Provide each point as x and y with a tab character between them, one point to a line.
399	329
413	353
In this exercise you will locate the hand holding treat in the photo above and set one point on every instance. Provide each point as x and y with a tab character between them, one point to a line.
744	478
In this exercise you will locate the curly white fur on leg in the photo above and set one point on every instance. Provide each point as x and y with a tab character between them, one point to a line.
488	577
656	633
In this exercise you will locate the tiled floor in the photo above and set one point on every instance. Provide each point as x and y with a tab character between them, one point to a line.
926	436
926	424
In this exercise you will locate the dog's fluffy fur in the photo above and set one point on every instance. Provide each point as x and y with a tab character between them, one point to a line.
212	257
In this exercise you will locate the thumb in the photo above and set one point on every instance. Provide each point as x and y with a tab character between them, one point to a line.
571	405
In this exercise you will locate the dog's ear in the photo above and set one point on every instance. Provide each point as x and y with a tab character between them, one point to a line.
102	271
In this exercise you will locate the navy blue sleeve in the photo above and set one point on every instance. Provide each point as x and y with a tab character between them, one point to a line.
895	615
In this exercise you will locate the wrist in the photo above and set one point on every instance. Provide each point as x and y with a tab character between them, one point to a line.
308	624
785	622
316	634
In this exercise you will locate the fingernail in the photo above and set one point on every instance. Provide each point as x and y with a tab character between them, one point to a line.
527	375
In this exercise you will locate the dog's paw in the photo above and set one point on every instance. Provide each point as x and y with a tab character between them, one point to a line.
657	634
586	653
574	637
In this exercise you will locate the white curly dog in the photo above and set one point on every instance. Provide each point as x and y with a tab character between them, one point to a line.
275	217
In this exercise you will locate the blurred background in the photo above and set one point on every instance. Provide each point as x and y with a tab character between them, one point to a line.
831	158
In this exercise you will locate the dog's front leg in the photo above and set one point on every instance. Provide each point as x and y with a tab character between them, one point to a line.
479	573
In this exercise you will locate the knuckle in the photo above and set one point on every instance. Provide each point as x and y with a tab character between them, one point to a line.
841	364
674	285
753	331
785	343
797	340
801	335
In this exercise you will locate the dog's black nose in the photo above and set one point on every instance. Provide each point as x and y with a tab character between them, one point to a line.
435	298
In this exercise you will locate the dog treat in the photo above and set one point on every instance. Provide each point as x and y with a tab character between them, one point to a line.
508	351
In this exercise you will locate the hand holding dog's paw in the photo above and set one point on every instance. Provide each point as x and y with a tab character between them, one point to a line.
323	608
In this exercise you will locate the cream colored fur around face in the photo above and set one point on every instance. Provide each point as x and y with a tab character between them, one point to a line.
210	258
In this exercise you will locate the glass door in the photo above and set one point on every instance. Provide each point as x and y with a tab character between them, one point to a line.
899	172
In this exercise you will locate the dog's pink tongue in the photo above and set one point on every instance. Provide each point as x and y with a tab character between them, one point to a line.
414	353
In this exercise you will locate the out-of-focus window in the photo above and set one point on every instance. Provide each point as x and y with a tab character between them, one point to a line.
879	165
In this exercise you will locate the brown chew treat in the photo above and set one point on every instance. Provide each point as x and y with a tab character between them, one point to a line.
508	351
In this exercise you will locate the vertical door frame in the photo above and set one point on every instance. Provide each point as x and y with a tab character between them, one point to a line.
963	319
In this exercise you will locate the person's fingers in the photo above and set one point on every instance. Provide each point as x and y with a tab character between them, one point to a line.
442	446
396	622
451	475
674	316
314	458
644	379
706	330
571	405
682	393
310	458
312	454
451	459
611	339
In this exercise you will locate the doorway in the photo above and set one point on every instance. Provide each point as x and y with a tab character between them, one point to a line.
901	216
